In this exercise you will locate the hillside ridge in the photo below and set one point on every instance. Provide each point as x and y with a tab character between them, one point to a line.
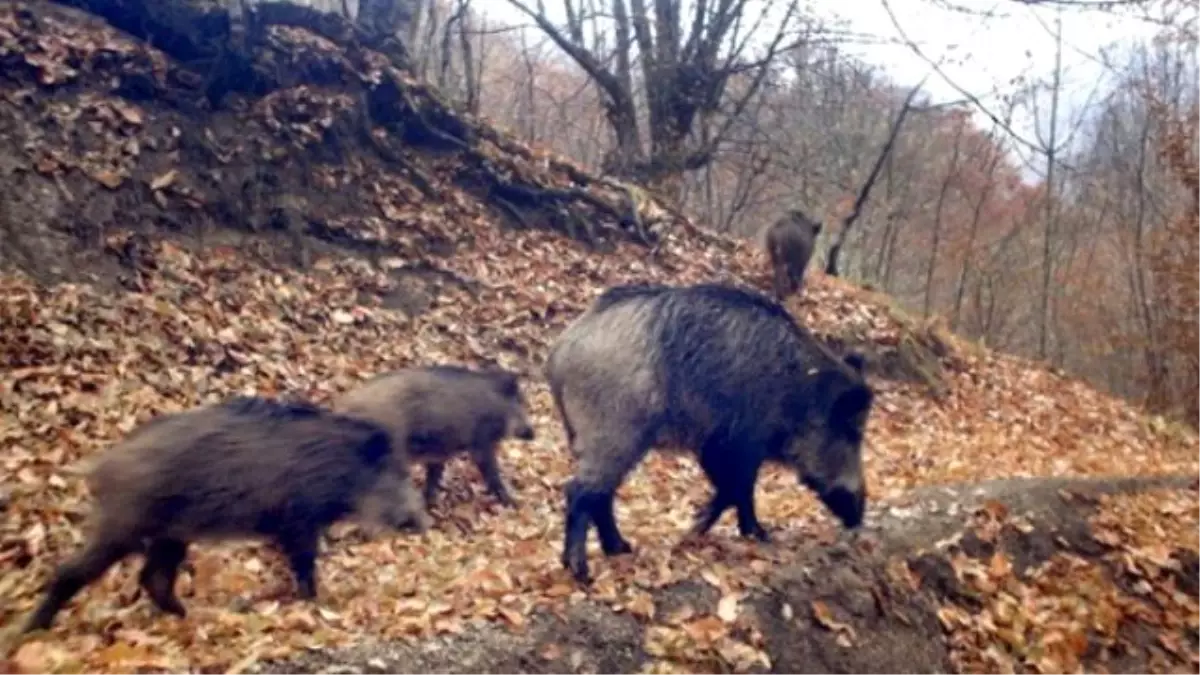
161	254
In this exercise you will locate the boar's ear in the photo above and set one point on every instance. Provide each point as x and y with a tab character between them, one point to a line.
855	361
850	407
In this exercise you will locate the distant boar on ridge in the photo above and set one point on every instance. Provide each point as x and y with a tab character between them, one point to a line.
438	411
246	467
790	242
722	371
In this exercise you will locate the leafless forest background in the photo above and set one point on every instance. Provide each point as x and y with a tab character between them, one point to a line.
1091	266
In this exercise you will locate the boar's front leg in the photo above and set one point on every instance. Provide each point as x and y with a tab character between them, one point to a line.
713	461
748	523
733	472
796	277
711	512
489	468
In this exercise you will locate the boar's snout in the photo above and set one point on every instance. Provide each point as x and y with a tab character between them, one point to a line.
525	433
847	505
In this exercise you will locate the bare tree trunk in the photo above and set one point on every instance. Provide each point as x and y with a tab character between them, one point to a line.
1050	212
972	235
471	76
424	47
446	60
386	17
889	265
831	264
686	63
528	99
935	244
1155	378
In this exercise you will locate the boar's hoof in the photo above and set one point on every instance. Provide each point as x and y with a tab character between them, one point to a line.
164	598
618	547
580	572
757	532
172	605
37	621
577	564
307	589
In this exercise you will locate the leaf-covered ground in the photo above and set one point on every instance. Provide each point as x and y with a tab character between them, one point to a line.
1132	582
84	363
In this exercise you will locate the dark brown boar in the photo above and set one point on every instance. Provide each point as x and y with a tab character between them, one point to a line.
439	411
790	242
246	467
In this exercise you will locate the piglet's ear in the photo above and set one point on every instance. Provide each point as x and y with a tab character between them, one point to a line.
851	406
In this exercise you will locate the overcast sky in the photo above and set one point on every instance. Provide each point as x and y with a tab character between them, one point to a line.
981	57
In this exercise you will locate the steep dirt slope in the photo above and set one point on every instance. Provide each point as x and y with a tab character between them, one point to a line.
287	244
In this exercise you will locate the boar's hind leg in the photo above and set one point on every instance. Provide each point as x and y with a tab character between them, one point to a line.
733	473
101	553
163	559
299	544
781	282
489	468
603	464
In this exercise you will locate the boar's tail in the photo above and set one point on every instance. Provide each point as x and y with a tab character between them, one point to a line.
556	392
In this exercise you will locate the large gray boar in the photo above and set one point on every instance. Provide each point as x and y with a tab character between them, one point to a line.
790	242
246	467
439	411
724	372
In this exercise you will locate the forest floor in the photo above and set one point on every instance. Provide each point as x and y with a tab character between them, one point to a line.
159	254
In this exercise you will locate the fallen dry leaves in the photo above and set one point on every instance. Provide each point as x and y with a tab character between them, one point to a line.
84	365
1078	613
